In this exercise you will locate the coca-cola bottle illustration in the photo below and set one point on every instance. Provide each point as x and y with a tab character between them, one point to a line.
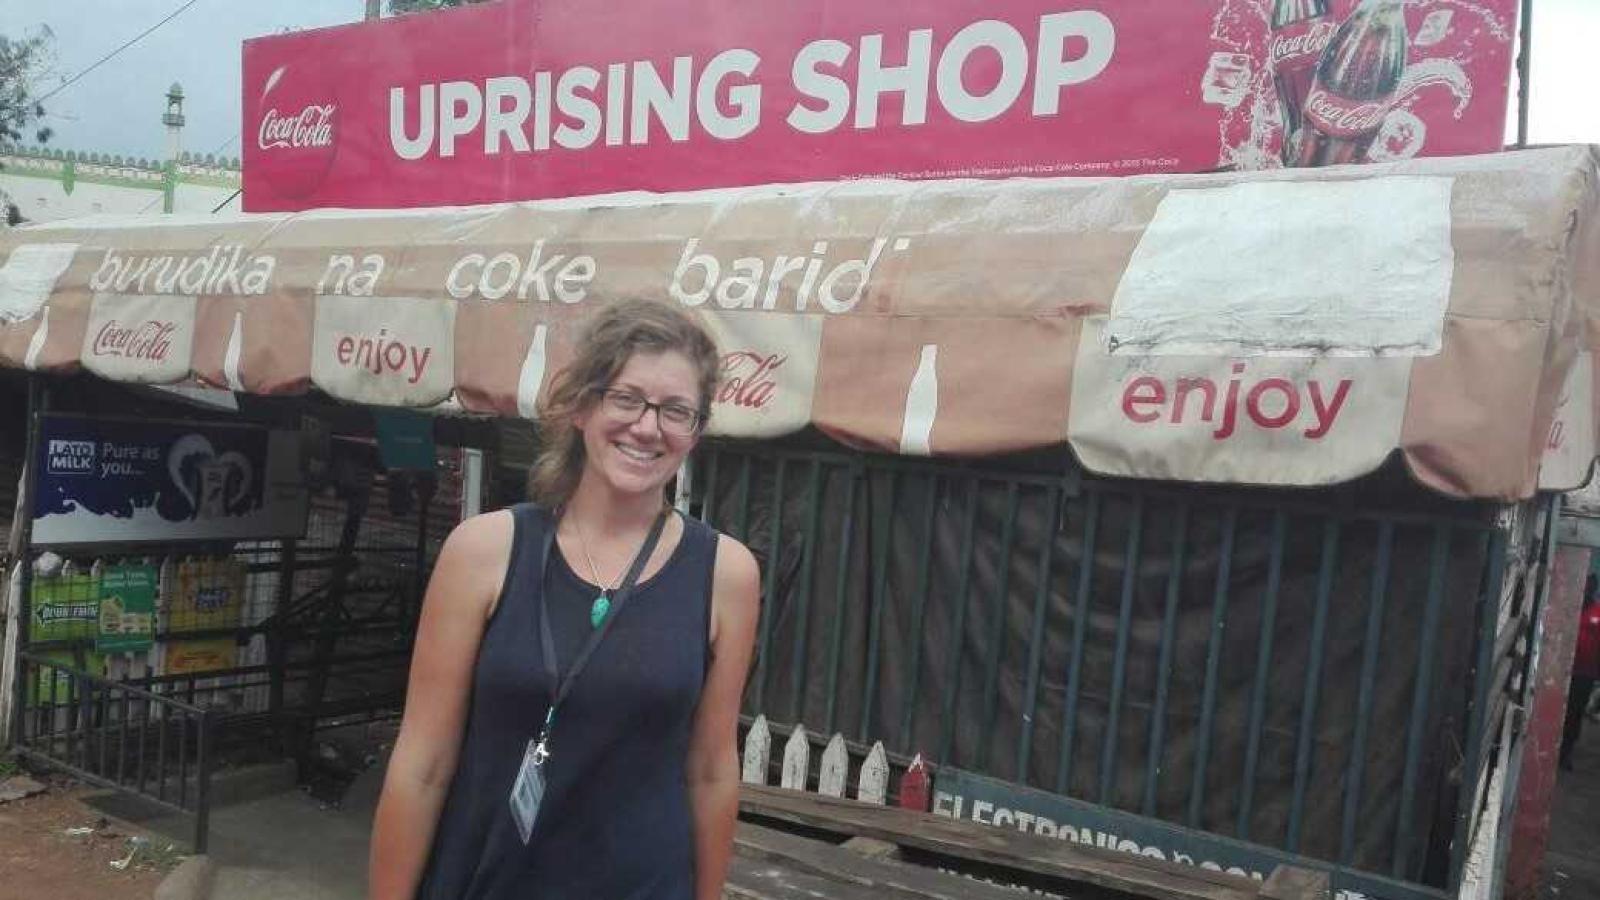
1300	31
1356	81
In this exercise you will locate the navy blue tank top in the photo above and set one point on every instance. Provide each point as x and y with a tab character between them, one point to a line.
615	821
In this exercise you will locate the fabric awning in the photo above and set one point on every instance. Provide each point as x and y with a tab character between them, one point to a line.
1283	328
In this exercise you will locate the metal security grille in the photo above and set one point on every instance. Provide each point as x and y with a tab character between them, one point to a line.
319	628
254	647
1309	671
119	736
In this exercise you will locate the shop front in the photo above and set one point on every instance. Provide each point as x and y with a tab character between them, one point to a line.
1134	546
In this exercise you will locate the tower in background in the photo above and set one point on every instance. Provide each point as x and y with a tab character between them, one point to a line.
173	119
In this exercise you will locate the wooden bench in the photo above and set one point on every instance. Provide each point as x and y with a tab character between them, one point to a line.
792	844
936	844
770	864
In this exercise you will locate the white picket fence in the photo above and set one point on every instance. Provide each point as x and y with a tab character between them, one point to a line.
833	771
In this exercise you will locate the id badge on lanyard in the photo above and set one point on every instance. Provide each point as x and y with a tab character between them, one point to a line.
527	791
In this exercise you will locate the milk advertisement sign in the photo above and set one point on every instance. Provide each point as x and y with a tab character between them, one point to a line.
125	481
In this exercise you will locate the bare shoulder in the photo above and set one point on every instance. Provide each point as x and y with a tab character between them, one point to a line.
472	563
482	538
737	572
735	595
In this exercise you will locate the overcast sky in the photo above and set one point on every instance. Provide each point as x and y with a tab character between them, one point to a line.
117	108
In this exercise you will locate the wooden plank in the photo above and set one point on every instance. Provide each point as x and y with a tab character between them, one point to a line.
916	786
872	784
835	771
796	761
1294	883
750	879
871	848
897	762
757	752
1052	858
885	879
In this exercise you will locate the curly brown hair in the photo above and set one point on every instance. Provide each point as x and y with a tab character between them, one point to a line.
607	341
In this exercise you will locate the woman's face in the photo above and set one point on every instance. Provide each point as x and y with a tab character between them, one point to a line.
633	449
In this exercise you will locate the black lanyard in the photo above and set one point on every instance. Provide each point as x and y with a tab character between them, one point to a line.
563	683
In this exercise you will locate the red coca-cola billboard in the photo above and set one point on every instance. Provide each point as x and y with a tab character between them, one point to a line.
525	99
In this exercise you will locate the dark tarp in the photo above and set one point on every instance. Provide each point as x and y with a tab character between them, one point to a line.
1001	599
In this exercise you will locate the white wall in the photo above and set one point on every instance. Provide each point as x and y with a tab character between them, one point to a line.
39	189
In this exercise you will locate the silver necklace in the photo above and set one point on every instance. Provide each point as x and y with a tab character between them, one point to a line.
601	607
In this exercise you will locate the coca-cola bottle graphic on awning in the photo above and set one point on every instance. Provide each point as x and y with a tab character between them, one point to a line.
1356	83
1300	31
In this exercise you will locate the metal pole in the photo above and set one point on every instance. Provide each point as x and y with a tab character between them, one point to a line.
1519	743
38	397
471	483
1524	68
202	804
684	491
327	618
1476	737
278	639
373	10
427	486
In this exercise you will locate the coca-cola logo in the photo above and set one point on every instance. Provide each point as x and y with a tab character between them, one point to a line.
1341	117
311	127
749	379
1301	43
296	123
150	340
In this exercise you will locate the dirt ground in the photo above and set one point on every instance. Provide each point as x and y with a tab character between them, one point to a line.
39	860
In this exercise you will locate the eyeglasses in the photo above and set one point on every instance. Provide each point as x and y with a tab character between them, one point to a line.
629	407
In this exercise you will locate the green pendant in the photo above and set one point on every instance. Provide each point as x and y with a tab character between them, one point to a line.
599	611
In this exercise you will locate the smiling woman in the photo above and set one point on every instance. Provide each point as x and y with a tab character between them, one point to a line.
663	346
598	603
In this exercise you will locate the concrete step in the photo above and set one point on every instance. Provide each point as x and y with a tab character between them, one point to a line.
229	787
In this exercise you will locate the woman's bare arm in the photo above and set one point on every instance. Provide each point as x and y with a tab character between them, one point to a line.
461	594
713	764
